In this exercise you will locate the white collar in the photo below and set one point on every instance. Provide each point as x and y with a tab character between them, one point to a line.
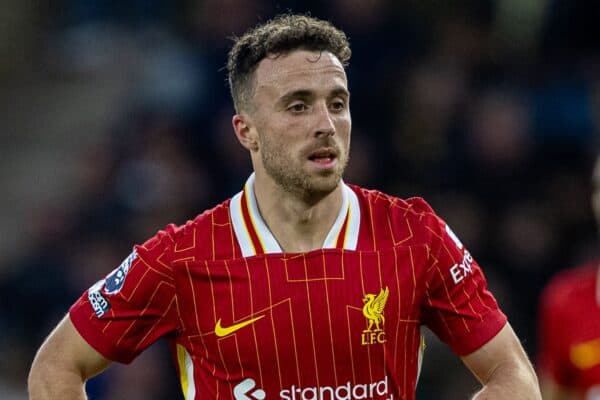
254	236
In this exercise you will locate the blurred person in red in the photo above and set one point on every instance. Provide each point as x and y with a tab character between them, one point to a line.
569	327
300	287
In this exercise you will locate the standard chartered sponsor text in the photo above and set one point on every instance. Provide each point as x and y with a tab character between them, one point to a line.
347	391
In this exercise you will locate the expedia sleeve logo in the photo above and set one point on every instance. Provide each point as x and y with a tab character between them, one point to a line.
454	238
115	280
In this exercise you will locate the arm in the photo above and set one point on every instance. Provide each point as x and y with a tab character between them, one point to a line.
62	365
503	368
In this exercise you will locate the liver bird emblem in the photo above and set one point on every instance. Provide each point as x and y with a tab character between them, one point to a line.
373	308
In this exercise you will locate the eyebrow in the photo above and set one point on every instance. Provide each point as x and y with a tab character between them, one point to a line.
296	94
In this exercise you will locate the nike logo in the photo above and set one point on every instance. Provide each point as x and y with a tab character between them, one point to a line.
221	331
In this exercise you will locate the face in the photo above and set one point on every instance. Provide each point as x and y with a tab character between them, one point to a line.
300	122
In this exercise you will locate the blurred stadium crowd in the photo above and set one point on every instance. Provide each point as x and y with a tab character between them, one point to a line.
116	121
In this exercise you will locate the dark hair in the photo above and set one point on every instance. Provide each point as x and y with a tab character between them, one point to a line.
278	36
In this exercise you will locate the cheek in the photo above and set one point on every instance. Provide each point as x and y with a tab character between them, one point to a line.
344	123
344	126
275	142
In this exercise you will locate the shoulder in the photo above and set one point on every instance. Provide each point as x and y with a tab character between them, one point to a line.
413	206
205	221
193	232
406	217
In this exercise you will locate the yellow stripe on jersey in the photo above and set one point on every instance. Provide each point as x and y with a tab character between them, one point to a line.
248	190
239	226
182	371
422	347
261	233
186	373
247	228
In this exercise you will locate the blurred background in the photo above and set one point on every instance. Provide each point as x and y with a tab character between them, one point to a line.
115	120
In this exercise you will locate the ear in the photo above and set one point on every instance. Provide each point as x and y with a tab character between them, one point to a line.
243	127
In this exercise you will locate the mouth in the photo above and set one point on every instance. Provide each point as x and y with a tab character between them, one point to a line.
324	157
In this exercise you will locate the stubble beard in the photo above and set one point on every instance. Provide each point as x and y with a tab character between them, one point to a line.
293	179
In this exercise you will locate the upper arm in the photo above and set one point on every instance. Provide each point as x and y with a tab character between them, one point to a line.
66	350
458	306
502	350
133	306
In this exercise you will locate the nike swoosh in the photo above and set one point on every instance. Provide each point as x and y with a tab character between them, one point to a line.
221	331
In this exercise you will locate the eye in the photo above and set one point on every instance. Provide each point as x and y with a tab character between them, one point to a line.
298	107
338	105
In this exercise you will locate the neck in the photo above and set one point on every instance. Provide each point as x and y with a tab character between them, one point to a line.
299	224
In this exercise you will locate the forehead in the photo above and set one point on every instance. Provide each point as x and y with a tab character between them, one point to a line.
299	69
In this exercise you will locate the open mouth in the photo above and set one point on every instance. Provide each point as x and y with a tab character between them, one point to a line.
324	156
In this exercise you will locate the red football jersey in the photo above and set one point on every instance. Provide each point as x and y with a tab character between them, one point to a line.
569	330
247	321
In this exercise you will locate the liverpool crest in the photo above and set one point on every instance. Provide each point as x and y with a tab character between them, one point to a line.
373	312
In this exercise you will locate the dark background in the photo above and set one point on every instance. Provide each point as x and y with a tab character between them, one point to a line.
115	120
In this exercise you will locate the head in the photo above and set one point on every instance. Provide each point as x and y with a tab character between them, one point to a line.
290	92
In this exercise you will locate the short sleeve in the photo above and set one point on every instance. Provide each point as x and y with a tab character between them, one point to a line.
458	308
133	306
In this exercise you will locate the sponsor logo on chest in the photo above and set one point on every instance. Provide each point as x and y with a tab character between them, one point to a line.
247	390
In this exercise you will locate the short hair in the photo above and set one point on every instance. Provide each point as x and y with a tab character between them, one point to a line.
279	36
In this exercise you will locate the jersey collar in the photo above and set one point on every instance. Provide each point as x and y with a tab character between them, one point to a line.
254	237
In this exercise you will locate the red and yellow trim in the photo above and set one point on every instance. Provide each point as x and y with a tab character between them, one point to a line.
254	237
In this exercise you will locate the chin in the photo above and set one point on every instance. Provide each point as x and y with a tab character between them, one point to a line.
324	184
311	185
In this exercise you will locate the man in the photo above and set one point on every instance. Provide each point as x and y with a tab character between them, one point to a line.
300	287
569	327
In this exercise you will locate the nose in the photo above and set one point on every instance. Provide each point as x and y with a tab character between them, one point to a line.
324	125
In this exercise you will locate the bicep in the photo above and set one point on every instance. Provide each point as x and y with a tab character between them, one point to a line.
504	348
67	350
